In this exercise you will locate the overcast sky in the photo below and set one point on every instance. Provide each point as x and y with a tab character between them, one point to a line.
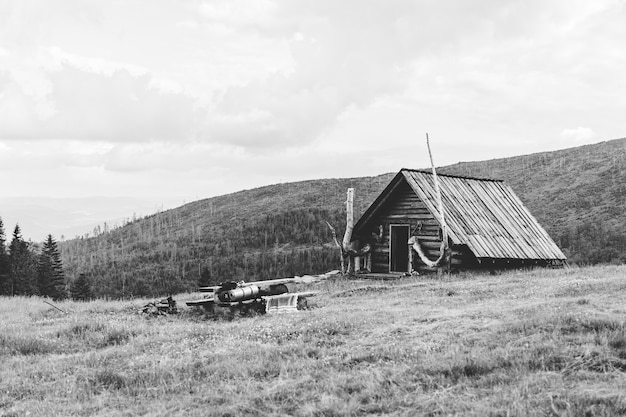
173	100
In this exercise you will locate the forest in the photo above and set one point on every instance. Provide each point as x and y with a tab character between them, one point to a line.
30	269
577	194
138	261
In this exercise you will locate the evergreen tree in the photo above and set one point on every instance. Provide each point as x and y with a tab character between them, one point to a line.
50	275
22	272
5	288
205	278
81	289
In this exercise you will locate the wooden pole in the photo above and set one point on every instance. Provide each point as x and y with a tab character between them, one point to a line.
349	218
445	251
347	237
50	304
438	194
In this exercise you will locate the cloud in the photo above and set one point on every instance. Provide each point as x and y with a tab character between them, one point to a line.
238	13
183	88
480	61
340	60
36	155
85	105
170	157
578	135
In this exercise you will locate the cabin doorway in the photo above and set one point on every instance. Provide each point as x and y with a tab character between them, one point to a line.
398	248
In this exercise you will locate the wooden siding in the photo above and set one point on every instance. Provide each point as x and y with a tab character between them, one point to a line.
401	207
485	215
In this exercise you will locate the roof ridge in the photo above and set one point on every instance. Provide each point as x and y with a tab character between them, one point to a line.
424	171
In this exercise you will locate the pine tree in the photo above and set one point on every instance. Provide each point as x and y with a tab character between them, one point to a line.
22	271
51	278
81	289
205	278
5	276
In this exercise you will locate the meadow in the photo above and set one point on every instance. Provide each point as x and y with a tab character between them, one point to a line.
533	343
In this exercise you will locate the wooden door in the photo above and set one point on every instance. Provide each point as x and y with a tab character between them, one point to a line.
398	248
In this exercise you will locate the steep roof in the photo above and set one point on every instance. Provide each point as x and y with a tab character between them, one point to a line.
483	214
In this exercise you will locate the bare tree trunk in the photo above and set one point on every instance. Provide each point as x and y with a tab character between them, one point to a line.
347	237
332	229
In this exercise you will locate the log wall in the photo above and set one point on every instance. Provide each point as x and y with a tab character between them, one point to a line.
402	207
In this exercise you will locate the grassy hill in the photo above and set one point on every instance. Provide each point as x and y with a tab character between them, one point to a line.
545	342
578	194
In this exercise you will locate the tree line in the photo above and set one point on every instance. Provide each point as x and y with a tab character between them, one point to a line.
206	243
27	268
169	253
280	230
592	242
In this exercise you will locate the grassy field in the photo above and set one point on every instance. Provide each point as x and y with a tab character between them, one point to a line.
545	342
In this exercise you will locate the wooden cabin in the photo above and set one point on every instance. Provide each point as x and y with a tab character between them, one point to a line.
488	226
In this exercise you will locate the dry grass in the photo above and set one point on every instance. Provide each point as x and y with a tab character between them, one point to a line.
537	343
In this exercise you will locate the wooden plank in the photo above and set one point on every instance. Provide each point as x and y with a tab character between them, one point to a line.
502	208
382	276
434	246
380	267
550	248
200	302
399	210
500	248
429	238
512	248
472	208
426	219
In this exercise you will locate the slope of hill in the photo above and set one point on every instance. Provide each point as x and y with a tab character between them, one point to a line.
578	194
274	231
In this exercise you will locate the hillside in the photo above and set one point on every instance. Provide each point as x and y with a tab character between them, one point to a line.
274	231
578	194
534	343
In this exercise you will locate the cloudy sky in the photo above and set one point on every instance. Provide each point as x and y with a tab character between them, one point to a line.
175	100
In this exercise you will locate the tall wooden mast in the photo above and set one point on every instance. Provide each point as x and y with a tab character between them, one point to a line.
444	227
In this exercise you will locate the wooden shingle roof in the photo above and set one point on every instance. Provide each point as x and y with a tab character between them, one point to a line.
485	215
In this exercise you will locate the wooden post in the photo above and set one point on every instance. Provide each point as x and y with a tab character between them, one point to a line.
349	217
347	237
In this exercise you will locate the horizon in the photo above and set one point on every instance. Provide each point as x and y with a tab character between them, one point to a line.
136	208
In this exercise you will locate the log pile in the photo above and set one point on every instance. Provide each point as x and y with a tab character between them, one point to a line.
161	307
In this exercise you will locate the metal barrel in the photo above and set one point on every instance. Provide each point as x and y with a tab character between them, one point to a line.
243	293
